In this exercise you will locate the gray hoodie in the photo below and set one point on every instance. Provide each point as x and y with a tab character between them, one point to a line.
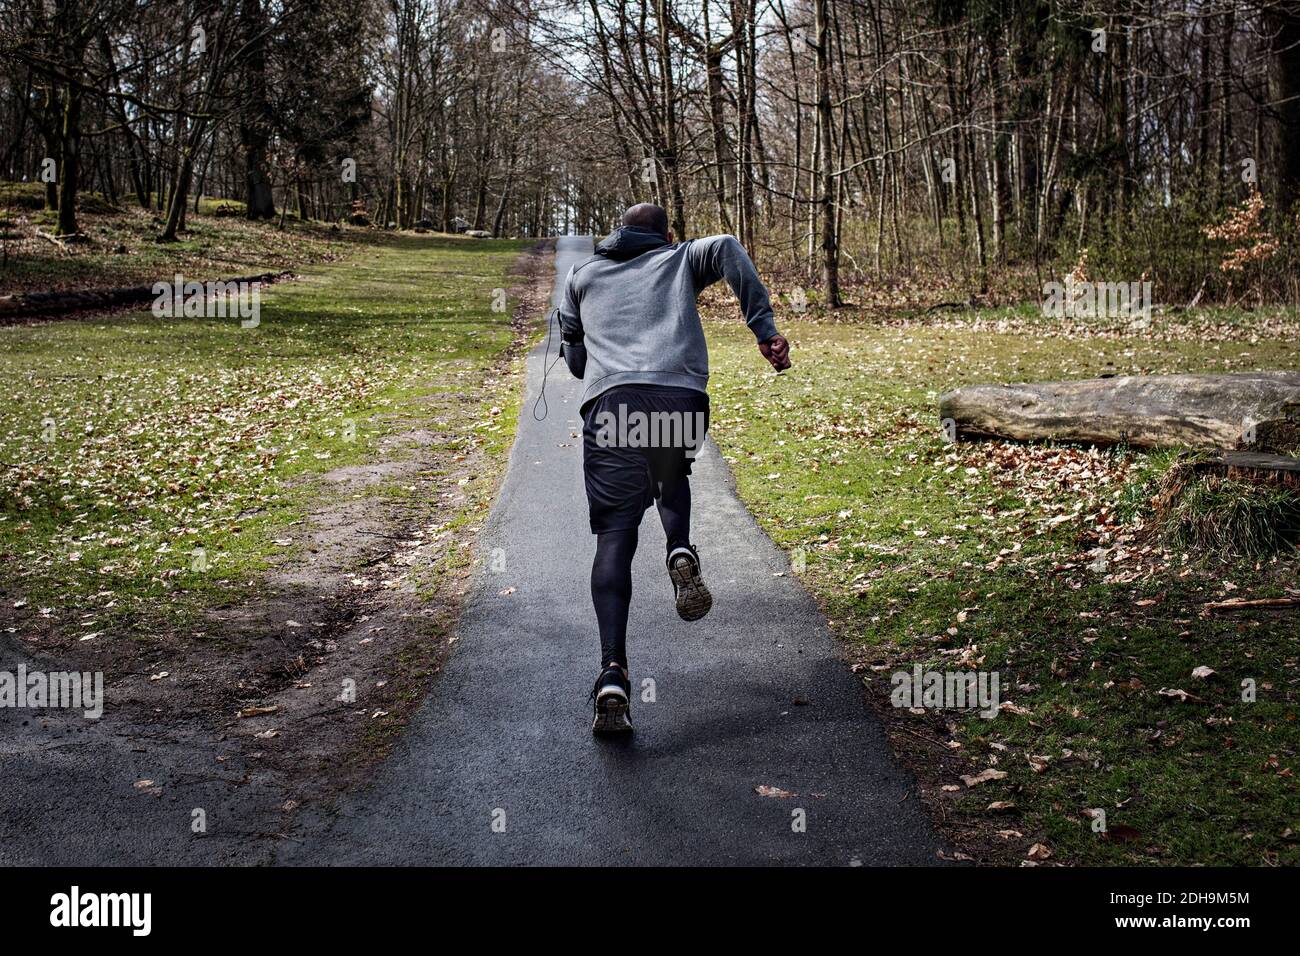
632	305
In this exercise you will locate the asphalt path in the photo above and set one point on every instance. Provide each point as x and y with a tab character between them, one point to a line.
499	766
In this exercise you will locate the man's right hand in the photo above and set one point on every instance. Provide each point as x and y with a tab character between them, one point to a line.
777	351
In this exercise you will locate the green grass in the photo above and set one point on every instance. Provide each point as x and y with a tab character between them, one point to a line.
1030	561
128	442
27	196
1218	515
30	196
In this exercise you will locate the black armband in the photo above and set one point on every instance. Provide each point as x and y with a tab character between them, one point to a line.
574	354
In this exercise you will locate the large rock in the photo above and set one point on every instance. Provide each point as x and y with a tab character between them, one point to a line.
1259	410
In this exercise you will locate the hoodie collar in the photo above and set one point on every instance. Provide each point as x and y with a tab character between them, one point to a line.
628	242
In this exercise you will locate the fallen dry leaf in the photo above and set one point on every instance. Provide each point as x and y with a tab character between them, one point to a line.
982	777
258	711
956	856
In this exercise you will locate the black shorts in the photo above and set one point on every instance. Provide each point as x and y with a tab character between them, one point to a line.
636	438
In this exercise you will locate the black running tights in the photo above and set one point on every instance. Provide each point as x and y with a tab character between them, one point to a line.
611	571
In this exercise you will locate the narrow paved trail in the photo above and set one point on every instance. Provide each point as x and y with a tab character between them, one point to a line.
499	765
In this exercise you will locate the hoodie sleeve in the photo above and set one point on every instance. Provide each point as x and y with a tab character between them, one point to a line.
722	257
572	349
570	317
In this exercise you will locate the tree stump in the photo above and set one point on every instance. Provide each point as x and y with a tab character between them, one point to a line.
1281	471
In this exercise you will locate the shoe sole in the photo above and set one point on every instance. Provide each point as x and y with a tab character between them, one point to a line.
693	598
613	716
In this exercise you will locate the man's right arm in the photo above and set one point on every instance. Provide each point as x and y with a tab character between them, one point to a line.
571	334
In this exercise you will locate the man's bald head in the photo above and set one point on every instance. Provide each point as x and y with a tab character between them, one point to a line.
647	215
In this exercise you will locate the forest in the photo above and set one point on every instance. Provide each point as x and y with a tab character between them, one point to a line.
874	147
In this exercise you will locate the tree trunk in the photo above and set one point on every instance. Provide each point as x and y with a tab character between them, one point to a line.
254	134
1284	98
1256	409
52	188
717	127
999	187
826	177
181	189
70	160
671	158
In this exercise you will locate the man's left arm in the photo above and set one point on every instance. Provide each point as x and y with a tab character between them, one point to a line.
723	257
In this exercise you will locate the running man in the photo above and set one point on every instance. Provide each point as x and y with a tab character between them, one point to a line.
630	330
